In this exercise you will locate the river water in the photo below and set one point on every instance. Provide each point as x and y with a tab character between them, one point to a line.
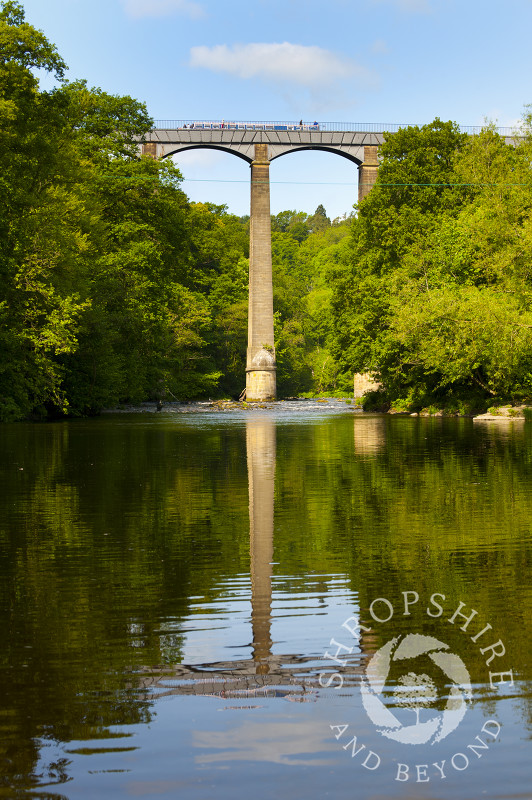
295	601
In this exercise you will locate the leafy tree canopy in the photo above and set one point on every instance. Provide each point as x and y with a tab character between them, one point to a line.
436	295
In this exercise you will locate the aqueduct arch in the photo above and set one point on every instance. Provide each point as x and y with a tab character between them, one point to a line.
258	144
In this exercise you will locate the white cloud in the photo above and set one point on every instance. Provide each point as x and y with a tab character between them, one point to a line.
280	741
307	66
312	68
163	8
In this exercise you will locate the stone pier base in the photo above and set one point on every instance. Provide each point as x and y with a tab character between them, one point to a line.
261	384
364	382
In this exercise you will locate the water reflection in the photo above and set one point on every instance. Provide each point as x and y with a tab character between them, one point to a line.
288	673
369	434
260	451
139	594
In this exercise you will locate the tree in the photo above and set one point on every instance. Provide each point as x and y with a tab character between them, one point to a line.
145	335
437	295
39	307
302	305
319	220
293	222
100	300
416	186
219	269
461	309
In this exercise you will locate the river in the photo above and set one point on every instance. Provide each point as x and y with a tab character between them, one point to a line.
295	601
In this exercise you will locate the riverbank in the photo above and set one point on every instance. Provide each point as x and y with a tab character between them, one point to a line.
502	413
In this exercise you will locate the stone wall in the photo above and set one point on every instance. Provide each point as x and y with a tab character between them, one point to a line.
363	382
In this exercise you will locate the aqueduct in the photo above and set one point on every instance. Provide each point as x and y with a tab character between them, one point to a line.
259	143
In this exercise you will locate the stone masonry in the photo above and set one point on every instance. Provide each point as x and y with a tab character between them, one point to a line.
260	366
367	171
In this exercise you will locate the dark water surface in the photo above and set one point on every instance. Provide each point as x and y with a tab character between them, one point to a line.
174	589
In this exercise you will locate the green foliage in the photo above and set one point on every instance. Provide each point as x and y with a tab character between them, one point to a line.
104	126
111	285
219	270
295	223
42	225
302	295
436	297
319	221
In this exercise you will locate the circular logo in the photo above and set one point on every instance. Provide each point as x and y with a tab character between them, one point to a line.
438	689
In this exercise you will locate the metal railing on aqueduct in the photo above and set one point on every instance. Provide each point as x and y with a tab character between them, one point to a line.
276	125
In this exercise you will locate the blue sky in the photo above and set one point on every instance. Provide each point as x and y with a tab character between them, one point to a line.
391	61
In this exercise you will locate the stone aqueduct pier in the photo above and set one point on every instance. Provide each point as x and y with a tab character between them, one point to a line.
260	143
